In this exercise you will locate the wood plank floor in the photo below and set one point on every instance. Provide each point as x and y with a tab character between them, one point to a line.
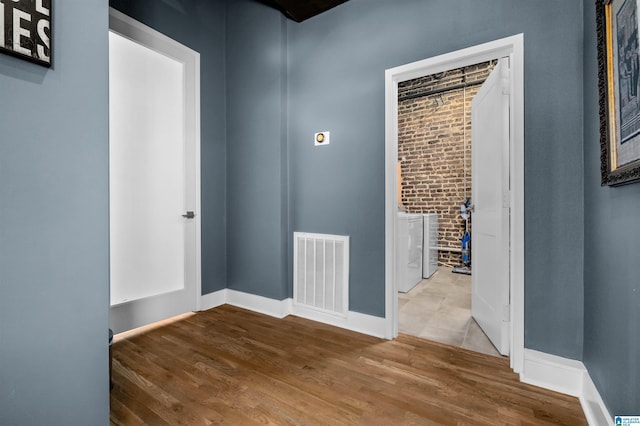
232	366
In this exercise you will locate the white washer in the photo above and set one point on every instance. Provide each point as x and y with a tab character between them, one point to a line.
409	250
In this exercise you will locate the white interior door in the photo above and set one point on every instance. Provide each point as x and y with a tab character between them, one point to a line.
490	196
154	237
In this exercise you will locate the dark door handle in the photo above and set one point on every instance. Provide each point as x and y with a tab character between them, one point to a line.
189	215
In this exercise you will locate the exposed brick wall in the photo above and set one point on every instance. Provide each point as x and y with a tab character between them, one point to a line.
434	158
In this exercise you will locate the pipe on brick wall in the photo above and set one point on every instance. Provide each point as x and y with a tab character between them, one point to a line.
438	91
453	249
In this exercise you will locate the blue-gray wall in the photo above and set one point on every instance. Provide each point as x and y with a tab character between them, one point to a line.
257	199
611	283
54	264
200	25
336	82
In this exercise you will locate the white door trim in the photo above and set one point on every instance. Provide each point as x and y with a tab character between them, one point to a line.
512	47
144	35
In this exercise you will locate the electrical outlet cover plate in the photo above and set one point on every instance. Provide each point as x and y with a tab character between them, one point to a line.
321	138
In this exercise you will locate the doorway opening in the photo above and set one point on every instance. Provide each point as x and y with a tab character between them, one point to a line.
513	49
434	197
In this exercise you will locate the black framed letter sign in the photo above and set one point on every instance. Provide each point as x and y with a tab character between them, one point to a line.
25	29
619	88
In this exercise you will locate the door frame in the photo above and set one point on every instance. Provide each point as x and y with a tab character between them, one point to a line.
512	47
136	31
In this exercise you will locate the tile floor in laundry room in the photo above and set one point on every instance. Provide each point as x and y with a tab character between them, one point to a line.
439	309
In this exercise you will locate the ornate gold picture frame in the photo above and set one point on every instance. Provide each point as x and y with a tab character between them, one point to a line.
619	88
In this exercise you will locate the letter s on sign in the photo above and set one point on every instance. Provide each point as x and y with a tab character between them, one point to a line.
42	54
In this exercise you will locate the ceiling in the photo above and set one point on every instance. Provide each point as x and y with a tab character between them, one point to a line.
299	10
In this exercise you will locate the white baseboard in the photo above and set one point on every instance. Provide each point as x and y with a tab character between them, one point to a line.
260	304
213	300
355	321
569	377
552	372
592	404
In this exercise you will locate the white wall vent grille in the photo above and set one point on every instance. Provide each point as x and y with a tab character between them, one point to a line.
321	272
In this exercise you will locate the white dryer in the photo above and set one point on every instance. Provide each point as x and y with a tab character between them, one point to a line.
409	250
